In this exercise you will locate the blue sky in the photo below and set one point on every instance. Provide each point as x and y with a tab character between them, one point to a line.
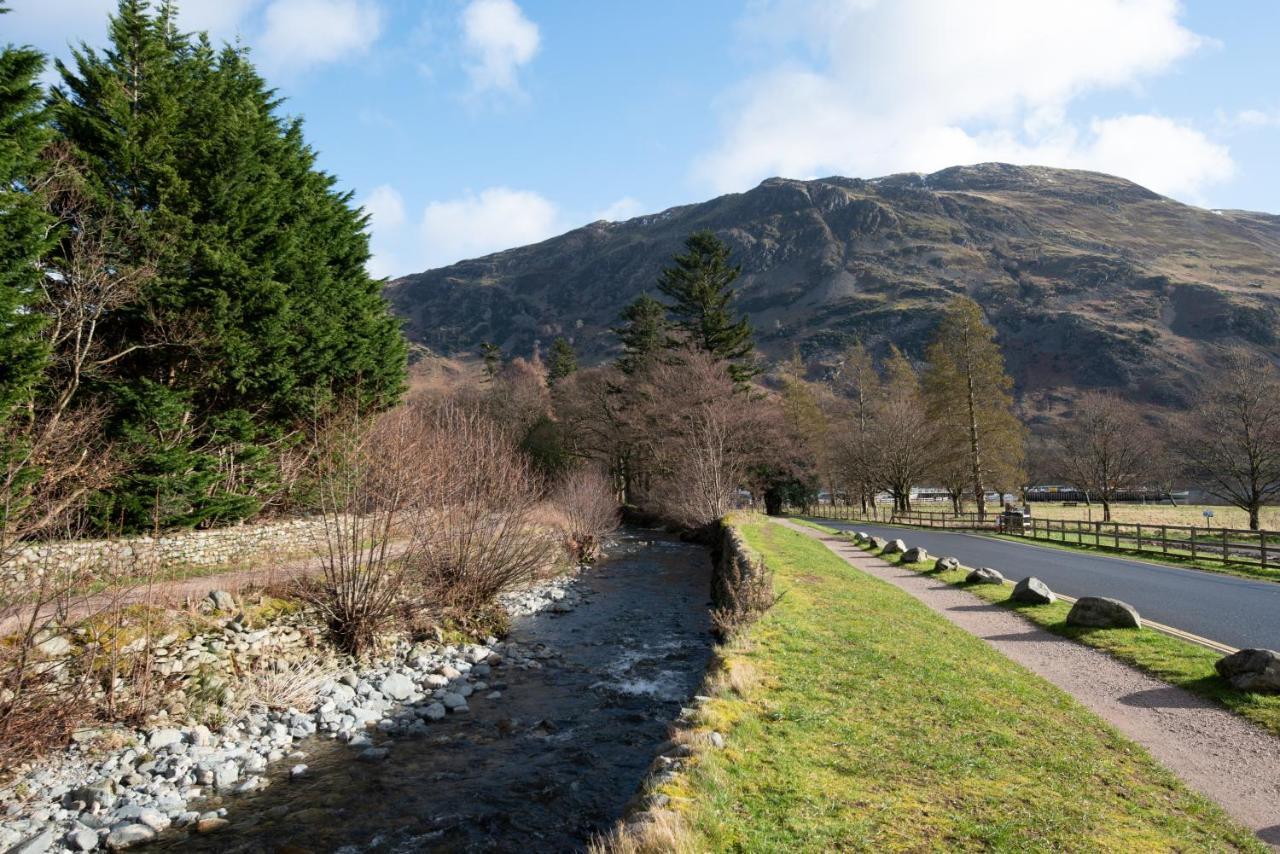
468	126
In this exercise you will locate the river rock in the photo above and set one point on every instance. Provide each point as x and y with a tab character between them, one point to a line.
153	819
453	701
1251	670
1099	612
222	600
53	645
894	547
37	844
397	686
985	575
374	754
945	564
83	839
1032	591
163	738
128	836
211	825
915	554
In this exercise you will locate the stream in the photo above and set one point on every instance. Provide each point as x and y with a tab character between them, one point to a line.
551	762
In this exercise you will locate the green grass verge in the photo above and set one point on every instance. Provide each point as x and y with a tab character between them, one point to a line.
877	725
1169	659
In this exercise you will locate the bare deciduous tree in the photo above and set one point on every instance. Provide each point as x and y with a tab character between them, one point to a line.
1232	437
1103	448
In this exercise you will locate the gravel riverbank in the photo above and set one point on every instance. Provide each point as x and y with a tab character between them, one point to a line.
155	781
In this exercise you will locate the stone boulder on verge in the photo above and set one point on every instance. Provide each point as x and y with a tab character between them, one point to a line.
946	564
1032	591
861	537
985	575
875	542
895	547
915	555
1099	612
1251	669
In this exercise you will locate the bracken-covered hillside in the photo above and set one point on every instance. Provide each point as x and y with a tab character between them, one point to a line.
1091	280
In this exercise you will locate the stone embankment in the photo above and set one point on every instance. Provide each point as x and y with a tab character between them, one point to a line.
149	781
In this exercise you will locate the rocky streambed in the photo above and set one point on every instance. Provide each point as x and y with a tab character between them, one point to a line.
530	743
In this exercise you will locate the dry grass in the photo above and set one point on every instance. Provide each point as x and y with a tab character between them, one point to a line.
1146	514
654	832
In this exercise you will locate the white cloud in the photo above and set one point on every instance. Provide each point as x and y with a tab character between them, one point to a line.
476	224
299	34
385	207
915	85
53	24
624	208
498	39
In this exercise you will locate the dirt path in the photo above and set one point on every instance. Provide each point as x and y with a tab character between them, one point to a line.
170	593
1218	754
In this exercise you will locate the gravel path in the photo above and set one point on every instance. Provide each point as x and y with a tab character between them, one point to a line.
1218	754
171	593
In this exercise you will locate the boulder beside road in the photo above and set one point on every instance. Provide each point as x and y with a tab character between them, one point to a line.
1099	612
1032	591
1251	670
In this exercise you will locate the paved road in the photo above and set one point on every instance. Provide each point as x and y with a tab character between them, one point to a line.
1231	610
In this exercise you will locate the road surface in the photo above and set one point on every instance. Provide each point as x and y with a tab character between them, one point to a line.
1237	611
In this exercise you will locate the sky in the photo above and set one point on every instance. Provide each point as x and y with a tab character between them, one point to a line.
468	126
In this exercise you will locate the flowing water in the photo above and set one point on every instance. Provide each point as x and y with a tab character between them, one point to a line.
551	762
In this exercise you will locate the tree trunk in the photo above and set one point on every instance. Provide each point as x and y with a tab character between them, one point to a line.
1106	510
1253	516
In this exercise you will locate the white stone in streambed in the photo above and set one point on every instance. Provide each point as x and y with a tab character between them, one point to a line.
83	839
163	738
37	844
153	819
297	771
128	836
397	686
434	712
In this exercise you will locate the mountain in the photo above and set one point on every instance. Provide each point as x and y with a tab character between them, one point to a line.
1091	280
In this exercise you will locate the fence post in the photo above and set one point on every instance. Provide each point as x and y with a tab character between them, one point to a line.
1226	554
1115	532
1139	546
1164	538
1262	547
1193	542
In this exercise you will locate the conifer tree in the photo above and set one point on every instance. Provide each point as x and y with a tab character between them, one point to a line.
259	307
23	225
700	283
644	333
563	361
967	393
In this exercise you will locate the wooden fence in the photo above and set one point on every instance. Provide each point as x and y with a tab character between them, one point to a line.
1227	545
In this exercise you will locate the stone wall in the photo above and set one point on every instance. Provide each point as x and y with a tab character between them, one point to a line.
214	547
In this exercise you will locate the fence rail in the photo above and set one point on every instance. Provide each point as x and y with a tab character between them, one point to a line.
1227	545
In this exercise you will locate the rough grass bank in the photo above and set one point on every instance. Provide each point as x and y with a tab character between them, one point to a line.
854	718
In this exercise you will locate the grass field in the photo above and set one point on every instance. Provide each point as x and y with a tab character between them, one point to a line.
1175	661
1145	514
864	721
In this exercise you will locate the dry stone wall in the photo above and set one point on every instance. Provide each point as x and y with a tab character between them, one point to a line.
214	547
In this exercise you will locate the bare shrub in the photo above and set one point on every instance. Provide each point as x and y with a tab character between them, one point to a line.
587	502
481	503
370	477
744	592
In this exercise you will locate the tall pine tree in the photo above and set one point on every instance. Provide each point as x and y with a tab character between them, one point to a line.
700	284
259	308
23	225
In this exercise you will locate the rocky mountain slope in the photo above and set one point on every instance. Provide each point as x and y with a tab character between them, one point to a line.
1091	280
